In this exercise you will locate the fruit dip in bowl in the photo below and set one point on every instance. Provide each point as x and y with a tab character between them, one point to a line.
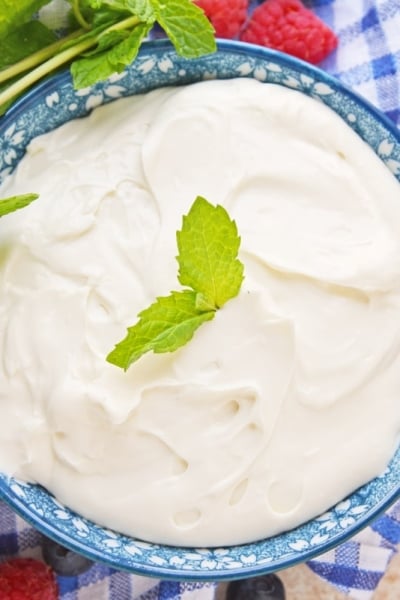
282	406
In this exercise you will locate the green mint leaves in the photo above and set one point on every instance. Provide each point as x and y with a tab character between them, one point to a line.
167	324
15	12
9	205
208	245
103	38
87	71
23	41
186	26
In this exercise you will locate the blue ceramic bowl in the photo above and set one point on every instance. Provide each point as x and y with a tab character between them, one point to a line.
55	102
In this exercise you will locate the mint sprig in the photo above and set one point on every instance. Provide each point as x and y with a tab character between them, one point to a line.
103	38
13	203
87	71
208	245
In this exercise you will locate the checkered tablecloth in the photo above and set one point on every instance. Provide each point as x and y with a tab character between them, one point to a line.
17	538
368	60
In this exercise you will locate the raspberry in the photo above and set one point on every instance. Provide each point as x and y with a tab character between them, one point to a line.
226	16
27	579
288	26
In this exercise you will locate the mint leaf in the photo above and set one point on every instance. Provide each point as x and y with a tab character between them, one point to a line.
9	205
108	40
163	327
187	27
208	246
15	12
23	41
141	8
105	17
89	70
125	52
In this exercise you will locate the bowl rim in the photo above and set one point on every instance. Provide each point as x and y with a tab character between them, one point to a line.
47	528
236	47
166	573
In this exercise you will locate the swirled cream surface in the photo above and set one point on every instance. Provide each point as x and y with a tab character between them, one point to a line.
283	404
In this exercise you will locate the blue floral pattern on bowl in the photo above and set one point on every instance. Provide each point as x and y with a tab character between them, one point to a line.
55	102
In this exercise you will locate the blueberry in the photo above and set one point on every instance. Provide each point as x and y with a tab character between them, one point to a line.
267	587
63	561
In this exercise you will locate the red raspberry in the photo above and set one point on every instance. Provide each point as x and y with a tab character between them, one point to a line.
288	26
27	579
227	16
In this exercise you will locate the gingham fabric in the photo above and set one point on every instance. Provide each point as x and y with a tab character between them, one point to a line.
368	56
368	60
357	566
17	538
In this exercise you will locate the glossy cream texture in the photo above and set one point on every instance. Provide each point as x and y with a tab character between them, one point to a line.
284	403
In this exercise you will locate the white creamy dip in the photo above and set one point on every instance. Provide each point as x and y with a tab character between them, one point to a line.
283	404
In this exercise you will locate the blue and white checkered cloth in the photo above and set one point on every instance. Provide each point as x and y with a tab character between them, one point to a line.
368	56
368	60
17	538
357	566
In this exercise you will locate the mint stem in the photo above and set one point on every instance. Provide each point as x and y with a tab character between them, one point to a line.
79	16
60	59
